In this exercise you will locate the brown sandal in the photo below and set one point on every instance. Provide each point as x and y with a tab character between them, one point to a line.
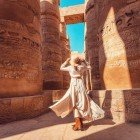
78	124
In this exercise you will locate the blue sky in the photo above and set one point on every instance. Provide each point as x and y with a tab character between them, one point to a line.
65	3
75	31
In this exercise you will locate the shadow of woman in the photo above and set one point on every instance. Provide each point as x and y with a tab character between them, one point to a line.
98	122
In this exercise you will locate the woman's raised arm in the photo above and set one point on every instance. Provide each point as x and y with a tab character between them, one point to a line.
64	66
86	65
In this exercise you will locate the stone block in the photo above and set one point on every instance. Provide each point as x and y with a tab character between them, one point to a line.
17	108
123	105
73	14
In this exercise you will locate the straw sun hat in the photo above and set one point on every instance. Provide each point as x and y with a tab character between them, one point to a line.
75	60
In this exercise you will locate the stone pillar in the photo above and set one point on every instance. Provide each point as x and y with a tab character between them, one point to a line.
51	50
119	53
91	43
21	93
112	43
65	49
87	74
113	26
20	53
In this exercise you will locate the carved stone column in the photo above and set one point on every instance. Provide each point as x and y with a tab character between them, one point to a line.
65	49
20	51
21	93
114	27
119	53
112	43
91	43
51	50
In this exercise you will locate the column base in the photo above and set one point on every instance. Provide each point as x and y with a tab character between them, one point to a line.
18	108
119	105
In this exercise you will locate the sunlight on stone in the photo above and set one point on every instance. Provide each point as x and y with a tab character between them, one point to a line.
114	50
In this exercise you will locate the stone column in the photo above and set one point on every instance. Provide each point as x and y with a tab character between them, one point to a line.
21	93
116	34
65	49
20	53
51	50
87	74
112	42
91	43
119	53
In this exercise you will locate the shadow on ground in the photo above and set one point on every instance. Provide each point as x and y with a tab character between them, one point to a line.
98	122
51	127
44	121
120	132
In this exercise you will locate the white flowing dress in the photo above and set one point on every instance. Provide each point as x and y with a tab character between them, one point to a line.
76	98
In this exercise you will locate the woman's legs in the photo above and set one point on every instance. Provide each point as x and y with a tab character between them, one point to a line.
78	120
77	113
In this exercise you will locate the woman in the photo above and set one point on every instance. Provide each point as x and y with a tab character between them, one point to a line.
76	98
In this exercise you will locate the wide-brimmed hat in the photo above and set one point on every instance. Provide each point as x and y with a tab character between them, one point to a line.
75	60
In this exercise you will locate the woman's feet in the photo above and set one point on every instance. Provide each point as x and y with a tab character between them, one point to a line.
78	124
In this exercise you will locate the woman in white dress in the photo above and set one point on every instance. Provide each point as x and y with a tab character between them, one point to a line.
76	98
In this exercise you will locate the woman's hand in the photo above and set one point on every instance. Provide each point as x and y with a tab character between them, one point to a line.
68	60
82	59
